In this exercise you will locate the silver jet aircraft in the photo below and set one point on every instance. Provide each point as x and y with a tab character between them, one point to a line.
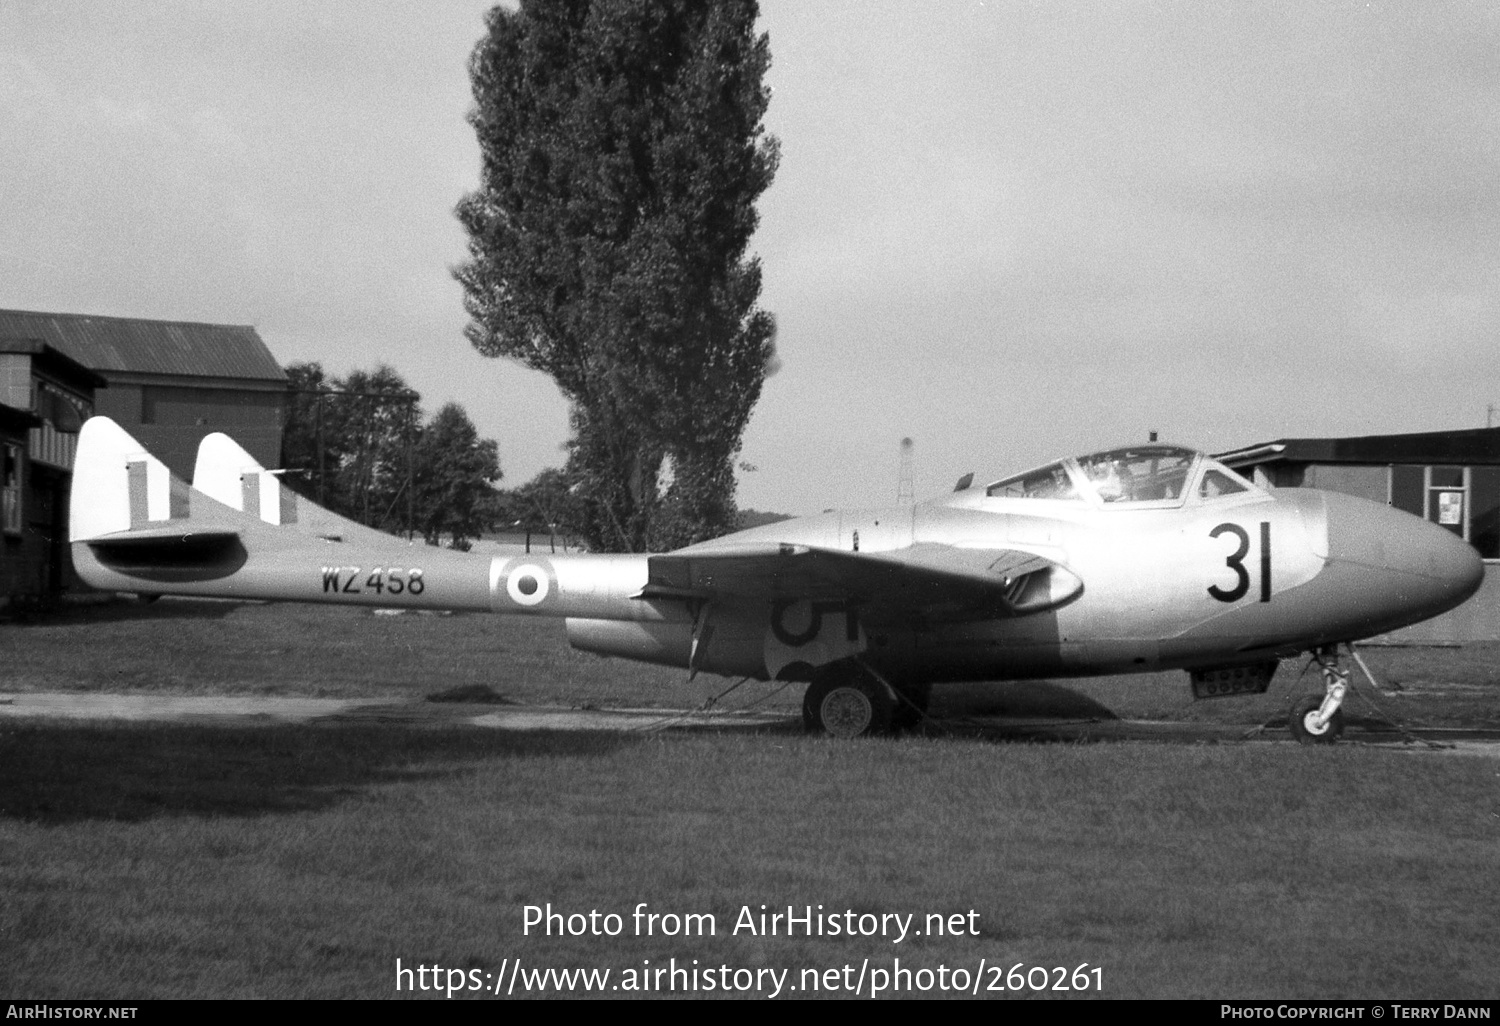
1139	558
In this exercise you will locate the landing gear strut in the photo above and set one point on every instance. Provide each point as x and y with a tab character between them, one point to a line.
911	706
1320	721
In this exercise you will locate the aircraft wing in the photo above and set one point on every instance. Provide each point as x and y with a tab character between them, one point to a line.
926	579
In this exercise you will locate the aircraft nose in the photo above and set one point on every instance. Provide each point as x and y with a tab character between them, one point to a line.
1407	568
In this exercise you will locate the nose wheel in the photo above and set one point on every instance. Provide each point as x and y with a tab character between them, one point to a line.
1310	727
1318	720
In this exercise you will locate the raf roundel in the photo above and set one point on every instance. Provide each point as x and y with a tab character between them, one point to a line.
527	584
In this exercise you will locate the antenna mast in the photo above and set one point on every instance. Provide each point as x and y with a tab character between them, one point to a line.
905	494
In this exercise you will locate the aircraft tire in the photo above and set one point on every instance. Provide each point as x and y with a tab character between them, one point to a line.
847	704
1300	720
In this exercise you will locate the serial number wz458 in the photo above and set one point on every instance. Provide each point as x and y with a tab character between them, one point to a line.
352	580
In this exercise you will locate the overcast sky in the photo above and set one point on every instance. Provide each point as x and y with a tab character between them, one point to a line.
1010	231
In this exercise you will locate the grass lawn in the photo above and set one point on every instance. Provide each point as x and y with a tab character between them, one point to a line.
303	861
197	647
194	647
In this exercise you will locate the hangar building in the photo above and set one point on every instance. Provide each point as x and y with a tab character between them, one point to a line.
172	382
168	383
1451	478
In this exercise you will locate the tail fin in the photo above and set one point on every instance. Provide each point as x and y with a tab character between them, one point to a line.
229	474
118	486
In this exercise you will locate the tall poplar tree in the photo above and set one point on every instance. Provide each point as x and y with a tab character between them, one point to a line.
623	152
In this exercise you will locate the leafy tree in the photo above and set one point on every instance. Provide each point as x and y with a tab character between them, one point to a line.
346	442
453	475
623	153
358	442
381	431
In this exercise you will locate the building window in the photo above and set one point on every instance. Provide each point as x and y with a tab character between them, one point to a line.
10	489
1448	499
1464	500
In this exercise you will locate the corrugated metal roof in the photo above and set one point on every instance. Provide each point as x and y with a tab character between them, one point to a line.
148	347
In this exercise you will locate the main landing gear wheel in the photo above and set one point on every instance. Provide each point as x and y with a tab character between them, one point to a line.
1303	719
847	703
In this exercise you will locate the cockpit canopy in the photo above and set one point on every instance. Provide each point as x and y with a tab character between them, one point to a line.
1160	474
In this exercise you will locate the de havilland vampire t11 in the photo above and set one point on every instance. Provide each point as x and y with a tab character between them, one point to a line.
1139	558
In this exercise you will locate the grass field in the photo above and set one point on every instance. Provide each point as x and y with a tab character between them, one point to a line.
153	860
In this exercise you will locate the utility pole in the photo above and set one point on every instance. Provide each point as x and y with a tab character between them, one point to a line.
905	492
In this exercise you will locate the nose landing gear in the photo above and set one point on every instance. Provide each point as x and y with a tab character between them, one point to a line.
1320	721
